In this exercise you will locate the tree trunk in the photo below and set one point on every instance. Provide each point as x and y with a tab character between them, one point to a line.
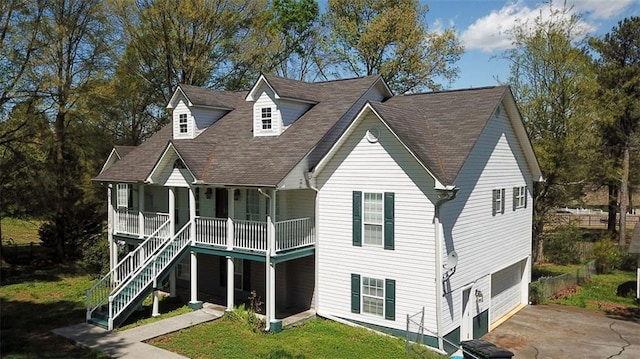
612	208
624	197
59	171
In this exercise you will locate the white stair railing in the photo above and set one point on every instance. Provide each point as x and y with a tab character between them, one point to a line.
141	279
99	293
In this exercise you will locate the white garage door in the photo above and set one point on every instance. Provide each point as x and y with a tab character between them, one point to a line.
505	290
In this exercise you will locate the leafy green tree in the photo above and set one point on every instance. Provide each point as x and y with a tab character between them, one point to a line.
552	79
390	38
619	78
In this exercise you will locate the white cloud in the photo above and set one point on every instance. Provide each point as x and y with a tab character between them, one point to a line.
600	9
491	32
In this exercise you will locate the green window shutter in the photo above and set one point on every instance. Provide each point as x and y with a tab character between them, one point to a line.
357	218
502	201
246	274
389	220
223	271
390	299
515	197
493	202
355	293
526	196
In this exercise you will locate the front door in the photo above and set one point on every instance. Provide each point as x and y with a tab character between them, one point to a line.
222	197
466	322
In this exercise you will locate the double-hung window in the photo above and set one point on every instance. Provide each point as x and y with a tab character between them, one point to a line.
498	201
266	118
182	122
519	197
373	296
373	219
123	196
253	205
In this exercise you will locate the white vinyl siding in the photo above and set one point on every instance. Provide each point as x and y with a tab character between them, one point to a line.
485	243
265	101
182	122
166	174
362	166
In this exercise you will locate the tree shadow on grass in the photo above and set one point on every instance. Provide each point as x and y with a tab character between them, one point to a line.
41	271
25	330
281	354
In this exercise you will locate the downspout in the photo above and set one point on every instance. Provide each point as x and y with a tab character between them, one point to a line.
444	196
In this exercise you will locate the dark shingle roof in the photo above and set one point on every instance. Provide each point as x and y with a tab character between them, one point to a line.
124	150
228	153
441	128
201	96
293	89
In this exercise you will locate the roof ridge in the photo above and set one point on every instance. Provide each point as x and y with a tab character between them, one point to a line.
454	90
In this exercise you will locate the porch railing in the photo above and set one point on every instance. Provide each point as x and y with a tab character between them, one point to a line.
295	233
128	222
212	231
252	235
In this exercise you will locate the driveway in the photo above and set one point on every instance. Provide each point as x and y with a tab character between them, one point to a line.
556	331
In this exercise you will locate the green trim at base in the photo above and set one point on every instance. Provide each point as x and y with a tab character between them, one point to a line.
481	324
453	337
275	326
195	305
426	339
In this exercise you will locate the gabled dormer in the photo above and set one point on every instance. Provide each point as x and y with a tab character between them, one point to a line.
196	108
278	103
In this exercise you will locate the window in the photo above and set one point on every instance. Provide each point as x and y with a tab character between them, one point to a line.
183	122
183	270
373	219
253	205
519	197
179	164
124	198
372	296
197	195
375	296
498	201
238	274
266	118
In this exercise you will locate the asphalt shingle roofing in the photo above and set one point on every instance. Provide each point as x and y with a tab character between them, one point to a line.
440	128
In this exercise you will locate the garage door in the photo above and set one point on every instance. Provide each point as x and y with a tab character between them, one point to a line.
505	291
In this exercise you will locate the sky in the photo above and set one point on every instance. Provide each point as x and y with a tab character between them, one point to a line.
482	26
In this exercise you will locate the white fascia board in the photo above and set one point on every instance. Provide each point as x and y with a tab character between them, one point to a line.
518	125
174	97
111	157
223	108
170	146
359	118
251	96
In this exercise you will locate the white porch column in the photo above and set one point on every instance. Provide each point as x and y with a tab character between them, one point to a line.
230	283
172	210
155	308
192	213
194	303
172	283
230	214
271	267
113	248
141	211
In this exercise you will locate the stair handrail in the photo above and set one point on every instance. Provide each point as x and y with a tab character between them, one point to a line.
108	283
185	235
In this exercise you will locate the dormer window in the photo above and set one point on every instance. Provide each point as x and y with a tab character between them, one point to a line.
178	164
183	123
266	118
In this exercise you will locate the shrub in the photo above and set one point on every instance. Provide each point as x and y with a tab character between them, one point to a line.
249	317
536	293
560	246
95	255
607	256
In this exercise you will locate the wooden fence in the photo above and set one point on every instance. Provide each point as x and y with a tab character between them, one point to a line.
598	220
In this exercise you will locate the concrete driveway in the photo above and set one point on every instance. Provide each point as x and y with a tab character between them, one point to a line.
556	331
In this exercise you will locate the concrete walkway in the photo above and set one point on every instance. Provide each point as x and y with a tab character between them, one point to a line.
128	343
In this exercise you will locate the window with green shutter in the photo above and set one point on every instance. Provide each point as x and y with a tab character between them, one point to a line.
390	299
355	293
373	219
373	296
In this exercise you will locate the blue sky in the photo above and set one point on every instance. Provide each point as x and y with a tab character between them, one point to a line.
481	25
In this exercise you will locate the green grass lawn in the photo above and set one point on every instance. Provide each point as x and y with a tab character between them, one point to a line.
34	301
600	294
317	338
20	231
552	270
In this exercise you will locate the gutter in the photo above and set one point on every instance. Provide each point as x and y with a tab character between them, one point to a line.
444	196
